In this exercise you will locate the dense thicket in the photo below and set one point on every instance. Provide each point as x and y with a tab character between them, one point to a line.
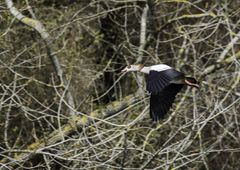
93	40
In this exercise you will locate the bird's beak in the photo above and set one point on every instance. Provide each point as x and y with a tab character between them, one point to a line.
122	72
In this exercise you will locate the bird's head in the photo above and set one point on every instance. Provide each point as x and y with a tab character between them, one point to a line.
132	68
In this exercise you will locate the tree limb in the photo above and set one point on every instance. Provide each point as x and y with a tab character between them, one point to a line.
75	122
37	25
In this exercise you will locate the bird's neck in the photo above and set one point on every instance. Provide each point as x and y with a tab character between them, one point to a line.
145	70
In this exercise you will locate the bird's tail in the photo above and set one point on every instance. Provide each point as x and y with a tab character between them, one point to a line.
191	82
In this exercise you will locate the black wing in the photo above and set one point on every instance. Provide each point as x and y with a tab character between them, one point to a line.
157	81
161	102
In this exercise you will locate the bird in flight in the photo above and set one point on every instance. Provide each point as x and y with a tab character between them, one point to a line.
163	84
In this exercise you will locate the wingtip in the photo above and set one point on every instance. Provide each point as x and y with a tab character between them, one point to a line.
156	117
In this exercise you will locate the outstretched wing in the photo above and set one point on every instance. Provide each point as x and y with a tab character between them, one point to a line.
161	102
158	80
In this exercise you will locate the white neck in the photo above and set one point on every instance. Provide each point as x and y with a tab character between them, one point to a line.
145	70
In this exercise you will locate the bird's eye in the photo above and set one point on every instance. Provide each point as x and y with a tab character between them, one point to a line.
129	66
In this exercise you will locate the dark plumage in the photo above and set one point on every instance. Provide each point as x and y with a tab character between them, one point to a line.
157	81
163	84
162	91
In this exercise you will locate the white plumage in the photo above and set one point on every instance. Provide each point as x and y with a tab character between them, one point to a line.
160	67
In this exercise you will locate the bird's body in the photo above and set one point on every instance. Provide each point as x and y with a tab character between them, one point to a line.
163	83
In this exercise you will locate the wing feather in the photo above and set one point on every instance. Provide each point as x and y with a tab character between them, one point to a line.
157	81
161	102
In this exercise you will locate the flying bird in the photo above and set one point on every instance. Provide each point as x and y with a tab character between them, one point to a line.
163	84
